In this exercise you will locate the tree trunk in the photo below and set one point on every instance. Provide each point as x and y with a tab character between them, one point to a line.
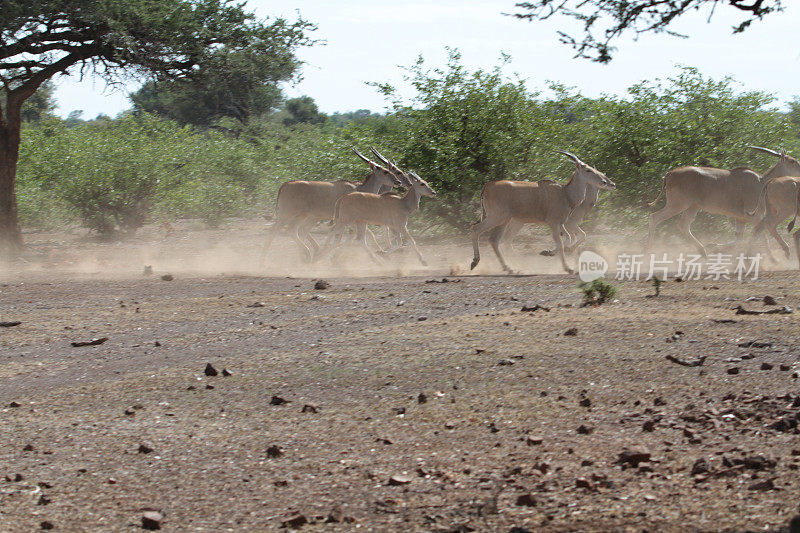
10	233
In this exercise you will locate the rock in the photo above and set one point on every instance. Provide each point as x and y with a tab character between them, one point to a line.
277	400
399	479
571	332
585	402
14	404
210	370
785	367
649	426
769	300
633	457
144	448
27	448
700	467
321	285
533	441
10	324
274	451
534	308
505	362
44	500
526	500
421	398
295	520
766	366
167	277
151	520
14	478
93	342
309	408
733	370
767	484
226	373
46	525
335	516
257	304
794	524
584	430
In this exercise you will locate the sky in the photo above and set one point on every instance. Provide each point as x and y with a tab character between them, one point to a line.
370	41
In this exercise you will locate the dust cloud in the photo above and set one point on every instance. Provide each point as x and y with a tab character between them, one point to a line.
236	249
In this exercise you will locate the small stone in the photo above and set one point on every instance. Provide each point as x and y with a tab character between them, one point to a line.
767	484
399	479
766	366
533	441
649	426
584	430
14	404
583	483
226	373
505	362
421	398
209	386
277	400
571	332
526	500
210	370
785	367
151	520
633	457
294	521
309	408
769	300
144	448
321	285
27	448
700	467
44	500
585	402
794	524
335	516
733	370
46	525
274	451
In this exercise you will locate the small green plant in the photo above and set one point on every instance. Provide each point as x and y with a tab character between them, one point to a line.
657	285
597	292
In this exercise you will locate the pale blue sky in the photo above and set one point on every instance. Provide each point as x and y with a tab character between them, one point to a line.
366	40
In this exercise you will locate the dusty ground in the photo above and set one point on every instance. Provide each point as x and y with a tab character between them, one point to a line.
490	418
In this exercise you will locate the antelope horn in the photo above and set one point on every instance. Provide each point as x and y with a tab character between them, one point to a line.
571	156
379	156
765	150
359	154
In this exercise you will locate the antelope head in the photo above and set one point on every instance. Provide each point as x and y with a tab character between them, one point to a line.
786	165
382	175
590	175
421	185
407	182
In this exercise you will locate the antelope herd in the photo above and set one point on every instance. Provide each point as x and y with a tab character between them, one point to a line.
506	206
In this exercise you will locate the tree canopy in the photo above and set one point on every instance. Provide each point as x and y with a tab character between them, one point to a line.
604	21
117	39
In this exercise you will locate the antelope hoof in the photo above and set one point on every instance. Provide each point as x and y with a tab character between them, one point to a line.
475	262
548	253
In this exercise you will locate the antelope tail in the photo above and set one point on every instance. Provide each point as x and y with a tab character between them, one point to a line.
663	188
758	200
790	227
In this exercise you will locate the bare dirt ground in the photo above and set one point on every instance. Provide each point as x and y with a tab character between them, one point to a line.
435	406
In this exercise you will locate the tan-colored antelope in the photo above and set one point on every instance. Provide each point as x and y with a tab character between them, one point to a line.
575	234
302	204
732	193
544	202
391	210
780	198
